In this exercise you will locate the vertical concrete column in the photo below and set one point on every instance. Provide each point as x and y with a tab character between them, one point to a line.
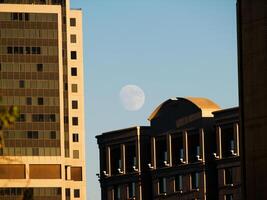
169	148
219	141
108	161
202	144
139	191
123	165
137	149
236	138
27	170
185	146
153	152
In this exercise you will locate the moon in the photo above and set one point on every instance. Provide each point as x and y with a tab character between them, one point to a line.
132	97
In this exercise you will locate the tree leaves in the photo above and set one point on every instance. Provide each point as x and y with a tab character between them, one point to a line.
8	115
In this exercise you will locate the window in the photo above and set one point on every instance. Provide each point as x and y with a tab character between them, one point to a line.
72	21
9	50
228	176
32	135
117	193
36	50
53	135
74	71
22	118
29	101
39	67
75	121
162	185
73	55
52	118
40	101
26	16
229	197
75	137
20	16
67	192
195	180
14	16
131	190
74	104
179	183
28	50
74	88
73	38
21	84
76	193
76	154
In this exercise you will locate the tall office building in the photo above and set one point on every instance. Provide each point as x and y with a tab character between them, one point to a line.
41	72
252	53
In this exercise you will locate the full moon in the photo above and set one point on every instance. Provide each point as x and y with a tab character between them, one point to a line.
132	97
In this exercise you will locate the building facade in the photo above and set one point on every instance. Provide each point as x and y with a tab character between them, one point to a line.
190	151
41	72
252	61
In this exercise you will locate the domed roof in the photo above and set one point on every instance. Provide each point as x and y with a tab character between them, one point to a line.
205	105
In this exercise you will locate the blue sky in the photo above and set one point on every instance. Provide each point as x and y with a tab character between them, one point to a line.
167	47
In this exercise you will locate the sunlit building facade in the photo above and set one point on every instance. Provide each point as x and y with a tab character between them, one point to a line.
190	151
41	72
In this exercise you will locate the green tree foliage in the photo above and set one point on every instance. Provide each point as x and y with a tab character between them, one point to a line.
8	115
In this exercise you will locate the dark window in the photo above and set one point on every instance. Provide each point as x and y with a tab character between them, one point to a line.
28	50
73	55
34	50
195	180
52	117
29	101
21	51
67	192
74	71
179	183
32	135
76	193
53	135
74	104
40	101
37	117
162	185
132	190
9	50
38	49
75	121
20	16
72	21
21	83
39	67
14	16
75	137
229	197
27	17
117	193
73	39
16	50
228	175
22	118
